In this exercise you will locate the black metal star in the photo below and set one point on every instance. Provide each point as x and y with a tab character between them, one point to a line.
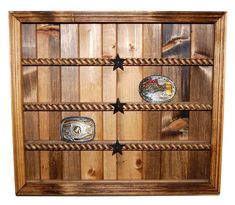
118	106
118	62
117	147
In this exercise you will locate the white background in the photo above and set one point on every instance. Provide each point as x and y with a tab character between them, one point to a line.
6	152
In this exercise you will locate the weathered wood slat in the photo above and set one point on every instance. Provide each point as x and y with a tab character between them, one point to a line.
30	94
109	33
170	166
200	122
90	44
151	119
48	45
70	91
129	124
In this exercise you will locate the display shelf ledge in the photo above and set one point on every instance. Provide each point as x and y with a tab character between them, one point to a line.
87	106
109	62
128	146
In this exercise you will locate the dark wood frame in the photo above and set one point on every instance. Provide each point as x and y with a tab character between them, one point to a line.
145	187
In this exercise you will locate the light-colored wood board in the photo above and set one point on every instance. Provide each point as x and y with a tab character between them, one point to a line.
109	86
70	92
90	43
151	121
175	43
49	89
130	164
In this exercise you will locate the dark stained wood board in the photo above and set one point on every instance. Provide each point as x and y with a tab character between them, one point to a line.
175	38
151	123
30	94
175	43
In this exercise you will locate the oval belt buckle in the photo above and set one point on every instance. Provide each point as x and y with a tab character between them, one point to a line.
157	89
77	129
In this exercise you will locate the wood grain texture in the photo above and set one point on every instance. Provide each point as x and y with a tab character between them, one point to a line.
30	94
109	33
49	89
130	165
91	90
118	17
202	44
70	92
218	100
151	121
101	188
175	43
17	95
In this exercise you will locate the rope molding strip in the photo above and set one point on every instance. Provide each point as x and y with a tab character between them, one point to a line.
107	147
109	62
109	107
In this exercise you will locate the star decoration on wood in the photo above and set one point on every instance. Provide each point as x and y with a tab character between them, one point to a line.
118	62
117	147
118	106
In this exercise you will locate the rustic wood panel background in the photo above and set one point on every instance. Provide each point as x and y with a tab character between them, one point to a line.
56	84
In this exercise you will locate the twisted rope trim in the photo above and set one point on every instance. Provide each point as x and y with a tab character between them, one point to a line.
107	147
109	107
109	62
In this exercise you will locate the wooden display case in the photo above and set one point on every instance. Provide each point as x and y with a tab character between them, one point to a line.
62	66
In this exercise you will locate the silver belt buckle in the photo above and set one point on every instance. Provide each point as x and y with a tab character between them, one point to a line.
157	89
77	129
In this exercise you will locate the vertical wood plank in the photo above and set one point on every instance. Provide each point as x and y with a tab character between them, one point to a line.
30	95
200	122
109	95
151	120
16	81
130	164
176	43
70	93
48	45
90	39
